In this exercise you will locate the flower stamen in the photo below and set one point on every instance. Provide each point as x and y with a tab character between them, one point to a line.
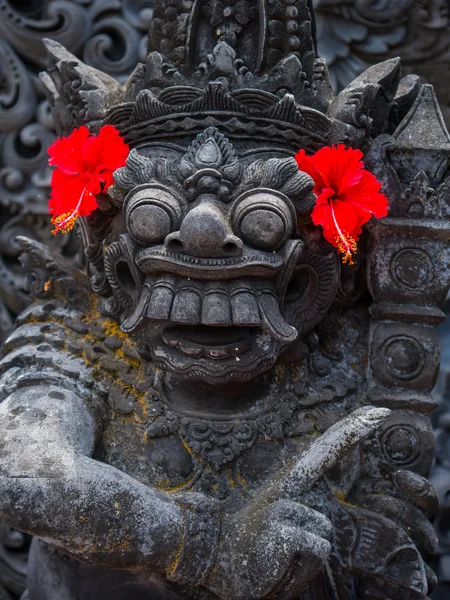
345	244
66	222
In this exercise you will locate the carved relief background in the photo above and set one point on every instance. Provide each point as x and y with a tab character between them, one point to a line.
354	34
111	35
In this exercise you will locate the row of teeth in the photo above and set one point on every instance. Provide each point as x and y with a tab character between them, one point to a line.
186	258
196	350
182	303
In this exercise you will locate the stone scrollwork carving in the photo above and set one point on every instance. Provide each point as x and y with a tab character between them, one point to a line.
357	33
112	38
209	404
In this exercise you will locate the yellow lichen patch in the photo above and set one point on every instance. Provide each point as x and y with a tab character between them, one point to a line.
85	358
119	546
342	496
188	448
241	480
164	485
89	337
230	479
133	362
140	399
176	560
112	328
83	518
132	419
97	374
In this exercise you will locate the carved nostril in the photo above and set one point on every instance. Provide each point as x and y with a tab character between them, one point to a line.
232	246
173	243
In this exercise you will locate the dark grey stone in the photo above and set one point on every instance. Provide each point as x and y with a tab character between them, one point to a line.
230	412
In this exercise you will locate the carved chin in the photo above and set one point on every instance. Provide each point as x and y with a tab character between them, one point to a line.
215	354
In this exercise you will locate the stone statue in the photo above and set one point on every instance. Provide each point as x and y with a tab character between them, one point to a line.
215	406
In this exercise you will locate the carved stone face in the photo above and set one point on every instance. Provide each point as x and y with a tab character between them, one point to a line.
205	259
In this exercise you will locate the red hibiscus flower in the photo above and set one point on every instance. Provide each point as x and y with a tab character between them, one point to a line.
84	167
347	195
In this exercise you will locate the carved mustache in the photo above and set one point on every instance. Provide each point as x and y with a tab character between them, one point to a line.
253	263
243	303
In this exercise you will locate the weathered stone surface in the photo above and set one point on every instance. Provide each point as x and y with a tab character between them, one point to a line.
222	417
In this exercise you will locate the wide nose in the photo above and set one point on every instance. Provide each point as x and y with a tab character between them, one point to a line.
204	233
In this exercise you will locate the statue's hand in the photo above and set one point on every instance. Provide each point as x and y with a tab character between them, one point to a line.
275	545
410	506
274	549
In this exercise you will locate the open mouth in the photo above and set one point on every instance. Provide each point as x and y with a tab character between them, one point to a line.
214	354
214	319
216	295
236	303
211	342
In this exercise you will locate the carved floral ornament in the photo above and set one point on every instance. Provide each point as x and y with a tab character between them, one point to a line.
347	194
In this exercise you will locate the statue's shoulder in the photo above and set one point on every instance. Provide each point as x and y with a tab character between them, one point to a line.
63	337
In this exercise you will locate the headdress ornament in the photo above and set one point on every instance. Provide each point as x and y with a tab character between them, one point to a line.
249	68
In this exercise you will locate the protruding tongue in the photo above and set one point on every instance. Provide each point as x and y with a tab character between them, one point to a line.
272	321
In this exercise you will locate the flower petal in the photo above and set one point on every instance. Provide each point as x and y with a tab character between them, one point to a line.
338	219
339	167
305	164
348	195
106	151
85	166
66	193
366	195
67	153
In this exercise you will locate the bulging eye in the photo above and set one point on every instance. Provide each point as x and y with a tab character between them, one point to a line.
264	219
151	213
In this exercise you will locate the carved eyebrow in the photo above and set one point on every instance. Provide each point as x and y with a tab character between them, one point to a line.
283	175
141	169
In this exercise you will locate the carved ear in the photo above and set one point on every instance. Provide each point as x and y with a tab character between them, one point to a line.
312	288
78	94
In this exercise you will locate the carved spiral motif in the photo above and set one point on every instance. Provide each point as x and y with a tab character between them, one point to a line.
412	269
119	276
403	357
400	444
353	35
312	289
109	36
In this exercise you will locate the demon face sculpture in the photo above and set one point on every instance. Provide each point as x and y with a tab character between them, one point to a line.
211	263
149	435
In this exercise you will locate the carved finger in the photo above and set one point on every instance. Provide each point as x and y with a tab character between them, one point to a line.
408	517
431	578
278	552
311	553
327	450
303	517
418	490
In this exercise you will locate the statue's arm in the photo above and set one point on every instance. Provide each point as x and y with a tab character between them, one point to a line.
51	488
